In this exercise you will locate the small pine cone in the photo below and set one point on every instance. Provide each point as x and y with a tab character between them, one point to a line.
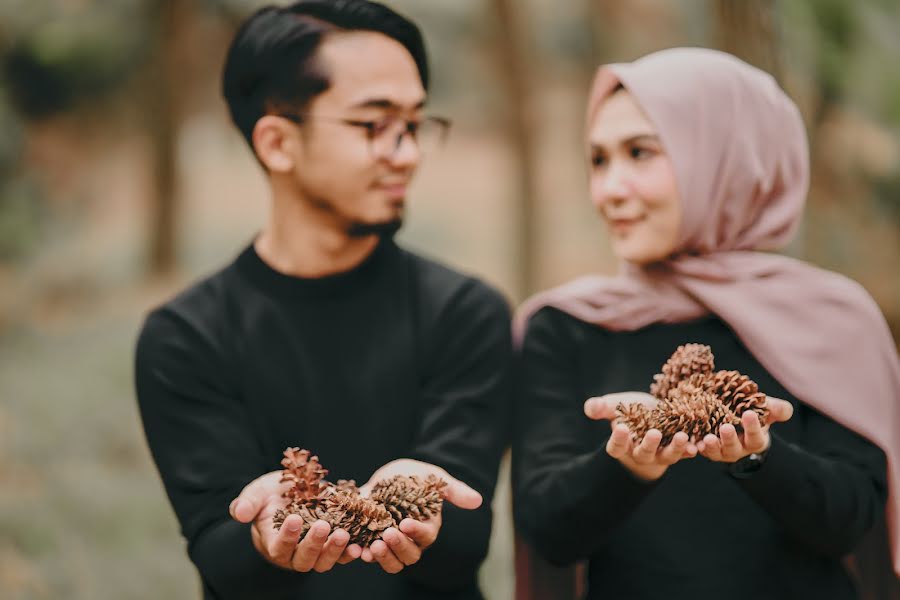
684	362
363	518
638	417
696	383
694	412
310	513
347	485
409	496
739	393
304	473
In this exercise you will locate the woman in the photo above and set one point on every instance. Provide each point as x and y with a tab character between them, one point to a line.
699	162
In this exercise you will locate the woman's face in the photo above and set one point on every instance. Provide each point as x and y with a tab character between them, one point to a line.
632	182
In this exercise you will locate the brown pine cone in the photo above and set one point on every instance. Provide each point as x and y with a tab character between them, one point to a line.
310	512
410	496
687	360
739	393
347	485
305	473
363	518
695	412
639	418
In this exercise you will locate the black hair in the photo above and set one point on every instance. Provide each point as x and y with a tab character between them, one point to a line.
271	62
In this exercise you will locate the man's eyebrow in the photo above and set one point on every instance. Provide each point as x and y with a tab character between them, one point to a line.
385	104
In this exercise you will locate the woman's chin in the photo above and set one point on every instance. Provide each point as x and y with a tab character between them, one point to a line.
639	253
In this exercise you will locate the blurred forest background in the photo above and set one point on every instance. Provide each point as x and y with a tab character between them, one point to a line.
121	180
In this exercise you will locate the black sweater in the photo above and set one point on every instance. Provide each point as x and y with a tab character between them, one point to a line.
397	358
697	532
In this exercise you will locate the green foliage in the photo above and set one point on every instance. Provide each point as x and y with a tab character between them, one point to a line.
58	64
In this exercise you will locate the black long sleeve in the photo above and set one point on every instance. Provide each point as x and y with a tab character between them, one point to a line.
561	472
464	429
697	530
825	499
397	358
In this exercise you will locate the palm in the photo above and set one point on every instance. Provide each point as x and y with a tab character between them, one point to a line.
401	466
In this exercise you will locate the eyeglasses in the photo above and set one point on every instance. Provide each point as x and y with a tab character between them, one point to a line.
385	136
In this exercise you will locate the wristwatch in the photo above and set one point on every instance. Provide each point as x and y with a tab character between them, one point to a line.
747	466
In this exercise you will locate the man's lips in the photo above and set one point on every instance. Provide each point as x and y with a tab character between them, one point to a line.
393	190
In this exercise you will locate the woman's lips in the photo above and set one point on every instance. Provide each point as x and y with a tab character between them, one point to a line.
620	225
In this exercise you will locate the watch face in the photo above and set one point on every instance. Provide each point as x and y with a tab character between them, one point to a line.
746	466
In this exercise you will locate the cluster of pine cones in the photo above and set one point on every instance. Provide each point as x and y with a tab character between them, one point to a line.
364	517
693	398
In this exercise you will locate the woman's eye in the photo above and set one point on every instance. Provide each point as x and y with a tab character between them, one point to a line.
638	153
598	160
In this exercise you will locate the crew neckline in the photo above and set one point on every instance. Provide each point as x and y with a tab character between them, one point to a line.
251	264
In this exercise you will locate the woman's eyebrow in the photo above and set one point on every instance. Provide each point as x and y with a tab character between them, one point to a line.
641	137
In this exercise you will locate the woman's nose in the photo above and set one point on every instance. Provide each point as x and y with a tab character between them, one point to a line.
611	185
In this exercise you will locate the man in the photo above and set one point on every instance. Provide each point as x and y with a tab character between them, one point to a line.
325	334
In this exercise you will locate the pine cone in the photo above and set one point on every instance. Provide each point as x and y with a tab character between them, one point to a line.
310	512
739	393
410	496
341	506
695	412
687	360
347	485
363	518
639	417
306	475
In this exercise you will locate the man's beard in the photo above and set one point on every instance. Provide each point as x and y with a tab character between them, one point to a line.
382	229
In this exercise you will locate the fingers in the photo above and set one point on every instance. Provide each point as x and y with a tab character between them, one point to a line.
619	443
332	551
351	553
280	545
383	555
728	447
645	453
711	448
422	533
675	451
779	410
308	550
732	449
404	548
756	438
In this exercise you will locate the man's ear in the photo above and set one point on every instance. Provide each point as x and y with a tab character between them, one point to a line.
274	144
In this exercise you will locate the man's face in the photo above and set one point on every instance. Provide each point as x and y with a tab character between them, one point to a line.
359	182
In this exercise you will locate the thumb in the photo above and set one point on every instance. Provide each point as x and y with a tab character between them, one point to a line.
604	407
459	494
599	407
249	502
779	410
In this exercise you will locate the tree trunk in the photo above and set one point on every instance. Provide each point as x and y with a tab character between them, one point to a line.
749	30
521	132
162	130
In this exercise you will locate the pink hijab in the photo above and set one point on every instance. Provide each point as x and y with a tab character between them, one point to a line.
738	147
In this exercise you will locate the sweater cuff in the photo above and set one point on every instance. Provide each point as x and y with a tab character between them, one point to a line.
778	472
600	472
